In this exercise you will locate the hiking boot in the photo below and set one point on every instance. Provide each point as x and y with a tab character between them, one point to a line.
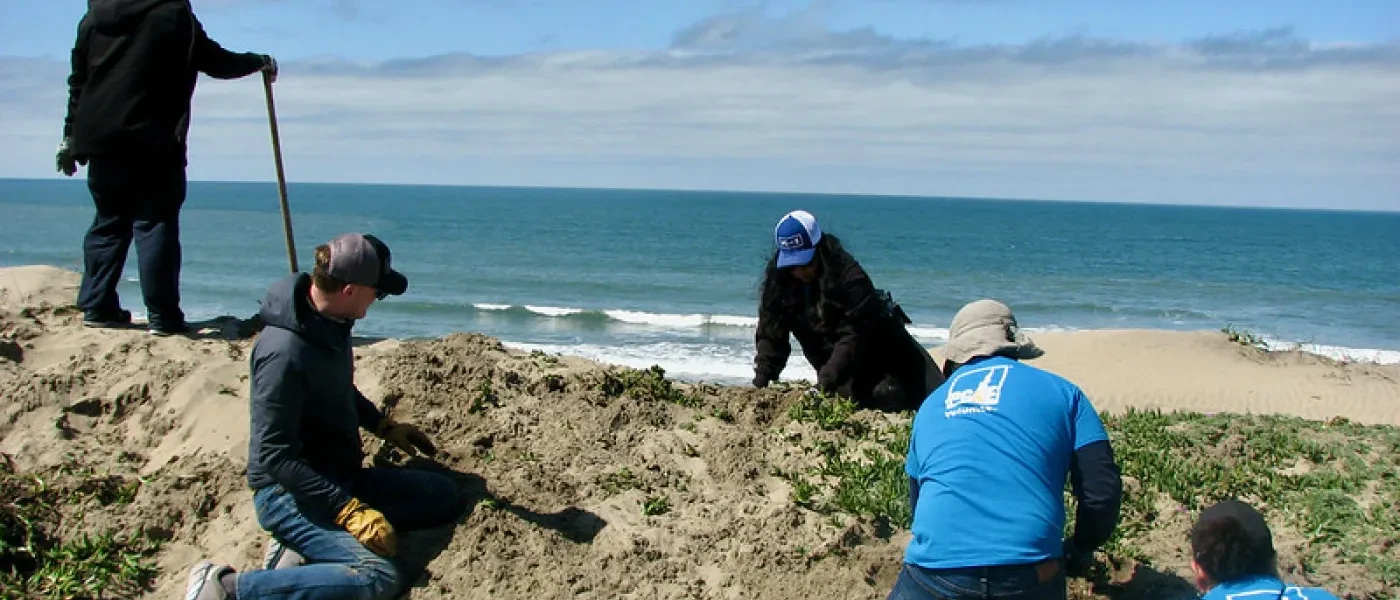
279	556
163	330
117	320
204	582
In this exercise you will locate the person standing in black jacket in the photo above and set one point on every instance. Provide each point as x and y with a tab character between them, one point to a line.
135	63
850	332
333	521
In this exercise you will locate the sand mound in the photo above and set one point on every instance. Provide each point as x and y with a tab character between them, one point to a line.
37	287
587	481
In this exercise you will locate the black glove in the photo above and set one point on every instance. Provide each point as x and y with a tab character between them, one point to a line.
67	163
826	382
760	381
1077	562
270	67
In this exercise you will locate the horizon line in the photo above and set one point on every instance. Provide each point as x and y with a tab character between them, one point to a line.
625	188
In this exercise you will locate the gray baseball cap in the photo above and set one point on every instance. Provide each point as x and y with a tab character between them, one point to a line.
362	259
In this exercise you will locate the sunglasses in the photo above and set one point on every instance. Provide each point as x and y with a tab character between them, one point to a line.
378	295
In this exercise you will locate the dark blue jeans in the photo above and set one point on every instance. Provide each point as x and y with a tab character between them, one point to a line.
981	583
136	197
338	565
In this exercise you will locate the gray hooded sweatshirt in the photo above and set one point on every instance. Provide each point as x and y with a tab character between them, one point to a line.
306	412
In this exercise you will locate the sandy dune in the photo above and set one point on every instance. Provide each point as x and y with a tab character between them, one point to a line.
560	470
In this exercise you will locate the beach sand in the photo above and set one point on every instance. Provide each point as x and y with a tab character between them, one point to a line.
559	466
1205	372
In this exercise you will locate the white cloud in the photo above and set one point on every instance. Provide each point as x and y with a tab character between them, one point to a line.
344	9
746	102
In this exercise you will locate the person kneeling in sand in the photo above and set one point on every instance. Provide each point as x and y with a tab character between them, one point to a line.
311	492
1232	556
850	332
988	456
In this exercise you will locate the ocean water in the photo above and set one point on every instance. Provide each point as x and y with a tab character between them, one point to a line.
671	278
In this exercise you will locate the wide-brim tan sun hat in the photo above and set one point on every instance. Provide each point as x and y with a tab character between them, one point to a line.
986	328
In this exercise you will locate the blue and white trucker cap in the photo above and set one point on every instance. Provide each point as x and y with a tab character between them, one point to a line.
796	235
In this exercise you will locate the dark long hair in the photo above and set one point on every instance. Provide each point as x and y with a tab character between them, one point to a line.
1226	552
831	261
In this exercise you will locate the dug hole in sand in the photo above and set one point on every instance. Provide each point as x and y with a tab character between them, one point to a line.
586	481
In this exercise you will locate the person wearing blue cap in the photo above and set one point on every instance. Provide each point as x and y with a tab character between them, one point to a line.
1232	556
852	333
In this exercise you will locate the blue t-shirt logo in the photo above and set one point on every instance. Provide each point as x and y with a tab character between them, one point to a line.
978	390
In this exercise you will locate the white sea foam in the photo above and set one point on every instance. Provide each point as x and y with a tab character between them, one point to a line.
734	321
1340	353
698	361
553	311
706	362
929	333
734	364
679	320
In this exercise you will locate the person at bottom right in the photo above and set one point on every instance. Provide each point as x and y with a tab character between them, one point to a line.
1233	557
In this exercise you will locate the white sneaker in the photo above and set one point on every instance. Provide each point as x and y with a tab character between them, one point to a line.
279	556
204	582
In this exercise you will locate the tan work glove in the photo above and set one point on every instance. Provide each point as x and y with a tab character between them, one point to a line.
369	526
405	437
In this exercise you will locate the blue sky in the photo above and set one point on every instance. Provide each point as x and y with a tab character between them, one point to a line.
1285	103
375	30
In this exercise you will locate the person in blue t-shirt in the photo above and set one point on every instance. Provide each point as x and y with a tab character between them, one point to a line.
1232	555
988	457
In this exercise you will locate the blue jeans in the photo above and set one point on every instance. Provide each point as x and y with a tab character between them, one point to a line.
338	565
1028	582
136	197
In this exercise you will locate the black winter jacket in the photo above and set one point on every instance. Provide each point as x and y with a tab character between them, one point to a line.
135	63
849	335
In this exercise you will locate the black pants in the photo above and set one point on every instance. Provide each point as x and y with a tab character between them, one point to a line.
900	382
139	197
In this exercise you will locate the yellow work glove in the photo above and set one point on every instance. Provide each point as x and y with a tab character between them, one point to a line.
369	526
405	437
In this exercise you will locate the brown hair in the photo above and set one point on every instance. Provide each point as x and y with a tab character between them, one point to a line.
320	275
1226	551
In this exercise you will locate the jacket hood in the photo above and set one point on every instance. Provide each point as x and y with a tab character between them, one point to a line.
288	306
121	16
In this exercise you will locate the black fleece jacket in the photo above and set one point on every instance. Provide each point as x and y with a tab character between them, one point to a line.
135	63
845	332
306	411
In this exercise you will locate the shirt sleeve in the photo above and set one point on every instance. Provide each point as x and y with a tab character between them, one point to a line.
1088	428
213	60
863	310
911	460
368	413
771	341
1095	479
1097	484
77	77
